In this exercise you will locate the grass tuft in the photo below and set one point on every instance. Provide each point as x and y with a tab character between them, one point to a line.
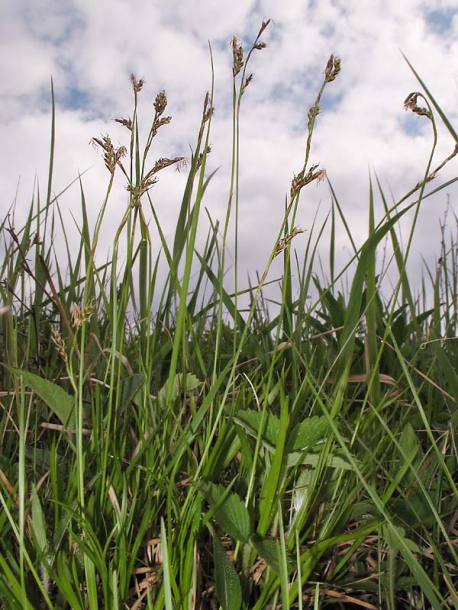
164	446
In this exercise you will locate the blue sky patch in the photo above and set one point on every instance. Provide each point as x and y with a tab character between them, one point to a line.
439	21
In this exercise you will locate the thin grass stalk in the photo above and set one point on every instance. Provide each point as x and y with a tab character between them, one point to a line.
428	587
181	314
372	369
235	173
22	491
51	149
305	176
427	426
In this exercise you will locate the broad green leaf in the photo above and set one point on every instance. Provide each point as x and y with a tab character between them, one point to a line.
166	568
414	510
129	387
273	477
394	535
409	442
57	399
12	591
448	368
251	422
190	382
313	459
309	432
66	584
227	582
270	551
38	522
228	510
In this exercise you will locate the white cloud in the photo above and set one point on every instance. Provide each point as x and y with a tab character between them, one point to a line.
91	48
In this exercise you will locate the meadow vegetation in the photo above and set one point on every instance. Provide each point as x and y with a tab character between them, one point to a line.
165	446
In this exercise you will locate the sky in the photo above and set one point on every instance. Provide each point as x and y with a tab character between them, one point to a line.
90	49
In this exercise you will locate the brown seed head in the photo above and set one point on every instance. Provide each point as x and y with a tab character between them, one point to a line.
264	24
160	104
80	317
237	54
332	69
248	80
411	103
313	112
125	123
302	179
150	179
286	240
58	340
158	123
201	157
136	84
165	162
112	155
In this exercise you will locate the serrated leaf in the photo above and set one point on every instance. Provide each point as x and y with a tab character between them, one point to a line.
309	432
191	382
270	551
396	539
228	510
227	582
251	422
57	399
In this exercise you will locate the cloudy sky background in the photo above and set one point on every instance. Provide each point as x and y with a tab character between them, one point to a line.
90	48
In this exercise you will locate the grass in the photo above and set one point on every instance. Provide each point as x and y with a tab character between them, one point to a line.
212	455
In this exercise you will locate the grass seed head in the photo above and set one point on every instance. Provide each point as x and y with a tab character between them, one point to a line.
150	178
165	162
160	103
332	68
112	156
201	157
125	123
237	54
313	112
302	179
137	85
81	316
246	83
265	23
58	340
208	108
411	103
287	239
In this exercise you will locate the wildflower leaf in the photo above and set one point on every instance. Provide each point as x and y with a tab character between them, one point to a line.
270	551
38	526
227	582
396	538
309	432
38	522
58	400
229	511
188	382
129	387
251	423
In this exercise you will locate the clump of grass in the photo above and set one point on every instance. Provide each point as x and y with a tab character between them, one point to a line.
206	456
